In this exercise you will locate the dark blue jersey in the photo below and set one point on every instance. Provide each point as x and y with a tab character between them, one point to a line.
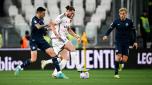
37	33
125	31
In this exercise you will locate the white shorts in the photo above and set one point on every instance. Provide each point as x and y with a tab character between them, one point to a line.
58	44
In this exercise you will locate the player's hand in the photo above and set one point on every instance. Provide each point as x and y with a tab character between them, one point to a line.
79	40
104	38
135	45
47	27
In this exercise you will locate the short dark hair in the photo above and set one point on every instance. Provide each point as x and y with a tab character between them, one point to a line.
26	32
70	8
40	9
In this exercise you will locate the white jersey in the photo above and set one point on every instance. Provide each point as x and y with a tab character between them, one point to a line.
63	23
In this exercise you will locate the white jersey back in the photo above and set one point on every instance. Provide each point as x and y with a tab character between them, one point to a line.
63	23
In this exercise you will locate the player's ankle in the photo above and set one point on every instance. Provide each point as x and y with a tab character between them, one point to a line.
59	71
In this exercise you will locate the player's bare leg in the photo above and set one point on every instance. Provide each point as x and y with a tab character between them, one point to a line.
64	58
45	62
121	64
33	56
125	58
26	63
70	47
51	53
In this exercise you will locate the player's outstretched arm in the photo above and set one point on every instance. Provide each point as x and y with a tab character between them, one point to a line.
112	26
71	32
38	26
135	45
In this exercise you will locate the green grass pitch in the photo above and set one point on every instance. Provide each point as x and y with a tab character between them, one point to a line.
97	77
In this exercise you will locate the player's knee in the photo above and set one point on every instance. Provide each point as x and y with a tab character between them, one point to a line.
33	56
118	57
50	52
33	60
71	49
65	58
125	58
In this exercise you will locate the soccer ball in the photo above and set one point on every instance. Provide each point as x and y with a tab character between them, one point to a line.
84	75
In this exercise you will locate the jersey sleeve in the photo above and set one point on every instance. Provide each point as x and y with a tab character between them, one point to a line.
133	31
112	26
58	20
34	21
131	24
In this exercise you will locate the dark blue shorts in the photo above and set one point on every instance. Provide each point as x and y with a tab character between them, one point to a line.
38	43
122	48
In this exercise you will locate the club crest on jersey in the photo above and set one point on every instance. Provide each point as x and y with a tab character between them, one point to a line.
35	21
126	24
33	47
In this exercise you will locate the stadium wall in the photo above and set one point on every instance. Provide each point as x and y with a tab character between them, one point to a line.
96	59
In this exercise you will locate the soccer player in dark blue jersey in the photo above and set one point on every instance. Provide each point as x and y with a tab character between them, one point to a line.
124	32
38	30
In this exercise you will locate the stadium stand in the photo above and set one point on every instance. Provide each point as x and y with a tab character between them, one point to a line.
89	14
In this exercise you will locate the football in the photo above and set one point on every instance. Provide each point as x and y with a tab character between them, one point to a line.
84	75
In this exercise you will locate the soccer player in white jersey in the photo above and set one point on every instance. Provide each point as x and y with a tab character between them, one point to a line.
60	28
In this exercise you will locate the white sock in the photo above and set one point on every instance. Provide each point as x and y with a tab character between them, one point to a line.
60	72
50	61
63	64
74	59
54	72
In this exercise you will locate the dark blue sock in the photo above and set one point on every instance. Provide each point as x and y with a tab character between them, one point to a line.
116	67
121	62
56	63
26	63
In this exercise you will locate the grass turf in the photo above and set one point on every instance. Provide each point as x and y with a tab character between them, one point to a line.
97	77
